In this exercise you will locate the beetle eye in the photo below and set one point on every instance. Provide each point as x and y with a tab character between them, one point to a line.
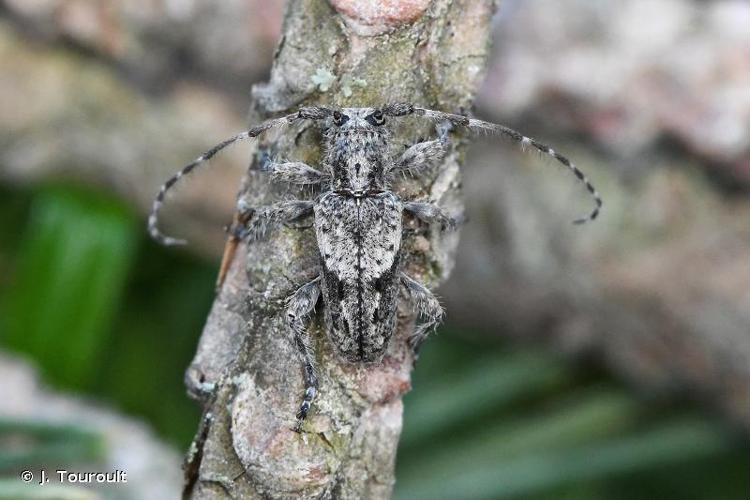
376	117
339	118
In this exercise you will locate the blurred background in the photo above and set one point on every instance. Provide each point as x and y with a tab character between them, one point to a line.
609	361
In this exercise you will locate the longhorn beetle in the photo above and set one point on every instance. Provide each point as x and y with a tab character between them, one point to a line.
358	225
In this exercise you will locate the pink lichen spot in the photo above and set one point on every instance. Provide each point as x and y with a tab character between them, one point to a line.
374	17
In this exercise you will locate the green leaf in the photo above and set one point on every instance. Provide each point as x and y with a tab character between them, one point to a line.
35	443
441	402
671	442
75	256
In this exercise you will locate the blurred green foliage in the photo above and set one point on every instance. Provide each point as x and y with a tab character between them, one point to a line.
103	311
75	255
46	443
489	421
98	307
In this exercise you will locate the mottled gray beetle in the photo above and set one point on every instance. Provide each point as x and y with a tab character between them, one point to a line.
358	226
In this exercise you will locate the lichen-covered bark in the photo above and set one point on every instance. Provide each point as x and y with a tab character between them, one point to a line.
246	369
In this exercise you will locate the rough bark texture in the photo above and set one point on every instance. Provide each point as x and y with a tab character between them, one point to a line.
246	369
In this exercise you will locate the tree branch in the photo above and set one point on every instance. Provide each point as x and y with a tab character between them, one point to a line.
246	369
